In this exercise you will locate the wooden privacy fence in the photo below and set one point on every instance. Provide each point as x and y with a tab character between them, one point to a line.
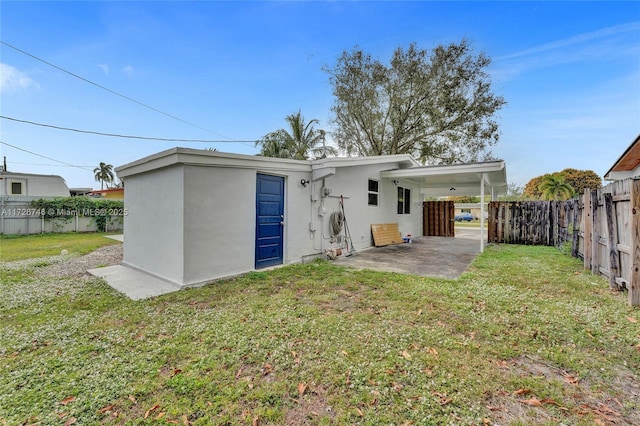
602	227
437	219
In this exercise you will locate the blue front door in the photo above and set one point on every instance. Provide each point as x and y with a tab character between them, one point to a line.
269	220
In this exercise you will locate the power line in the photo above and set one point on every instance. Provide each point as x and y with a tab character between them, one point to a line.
115	135
111	91
44	165
44	156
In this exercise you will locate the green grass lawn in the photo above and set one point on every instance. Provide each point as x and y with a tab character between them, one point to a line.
524	337
13	247
472	224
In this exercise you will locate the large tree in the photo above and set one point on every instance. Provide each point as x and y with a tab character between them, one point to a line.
300	142
104	173
436	105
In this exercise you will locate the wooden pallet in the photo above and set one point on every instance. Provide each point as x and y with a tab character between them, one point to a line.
385	234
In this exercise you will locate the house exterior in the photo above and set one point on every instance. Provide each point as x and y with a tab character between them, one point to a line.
109	194
26	186
628	165
194	216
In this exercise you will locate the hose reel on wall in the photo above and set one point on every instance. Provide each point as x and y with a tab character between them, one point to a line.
336	222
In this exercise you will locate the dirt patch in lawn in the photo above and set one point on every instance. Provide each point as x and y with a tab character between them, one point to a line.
582	399
311	408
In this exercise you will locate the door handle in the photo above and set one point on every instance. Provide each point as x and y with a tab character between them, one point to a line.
282	221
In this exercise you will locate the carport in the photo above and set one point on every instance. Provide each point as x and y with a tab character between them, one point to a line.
440	257
470	179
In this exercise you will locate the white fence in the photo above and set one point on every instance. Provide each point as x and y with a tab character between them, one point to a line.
20	218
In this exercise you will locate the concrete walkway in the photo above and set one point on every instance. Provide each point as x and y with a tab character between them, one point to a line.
440	257
136	285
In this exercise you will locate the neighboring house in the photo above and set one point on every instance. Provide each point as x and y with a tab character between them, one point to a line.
628	165
111	194
195	216
25	186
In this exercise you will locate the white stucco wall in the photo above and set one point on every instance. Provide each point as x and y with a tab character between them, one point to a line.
352	183
153	227
220	220
34	185
299	240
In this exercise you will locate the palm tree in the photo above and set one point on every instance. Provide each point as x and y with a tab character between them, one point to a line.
301	140
554	187
104	173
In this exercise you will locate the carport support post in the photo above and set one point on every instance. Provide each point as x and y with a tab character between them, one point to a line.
484	177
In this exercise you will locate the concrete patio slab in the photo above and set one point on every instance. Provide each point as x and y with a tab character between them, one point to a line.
118	237
135	284
441	257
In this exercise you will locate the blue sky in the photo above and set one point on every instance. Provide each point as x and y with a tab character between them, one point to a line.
570	72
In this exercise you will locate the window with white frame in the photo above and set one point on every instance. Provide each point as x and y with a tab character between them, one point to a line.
373	192
404	200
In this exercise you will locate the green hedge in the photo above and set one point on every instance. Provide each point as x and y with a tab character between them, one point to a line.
98	208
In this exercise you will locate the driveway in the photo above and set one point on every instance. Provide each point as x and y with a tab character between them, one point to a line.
441	257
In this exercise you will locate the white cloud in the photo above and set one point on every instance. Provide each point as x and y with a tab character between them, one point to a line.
12	79
128	70
105	68
603	44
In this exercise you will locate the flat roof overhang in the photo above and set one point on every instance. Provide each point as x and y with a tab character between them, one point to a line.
455	179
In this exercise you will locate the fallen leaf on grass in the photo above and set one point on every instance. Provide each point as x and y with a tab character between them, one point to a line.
67	400
151	410
549	401
70	421
105	408
533	402
522	391
406	355
175	372
301	388
632	320
160	415
444	400
267	369
133	399
359	412
571	379
256	421
432	351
